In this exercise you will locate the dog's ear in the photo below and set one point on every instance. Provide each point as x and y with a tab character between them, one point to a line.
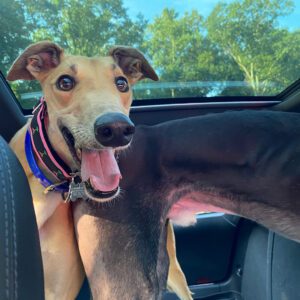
133	63
35	61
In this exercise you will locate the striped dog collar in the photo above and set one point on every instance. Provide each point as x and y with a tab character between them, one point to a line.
37	145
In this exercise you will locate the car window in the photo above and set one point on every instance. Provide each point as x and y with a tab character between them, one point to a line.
198	48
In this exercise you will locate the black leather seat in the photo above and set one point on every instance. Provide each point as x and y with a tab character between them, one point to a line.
21	273
271	267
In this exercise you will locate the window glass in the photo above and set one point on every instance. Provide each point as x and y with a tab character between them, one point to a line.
198	47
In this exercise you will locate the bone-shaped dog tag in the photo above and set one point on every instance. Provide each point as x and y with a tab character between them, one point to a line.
76	191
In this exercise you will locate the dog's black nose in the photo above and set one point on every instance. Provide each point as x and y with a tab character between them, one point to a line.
113	130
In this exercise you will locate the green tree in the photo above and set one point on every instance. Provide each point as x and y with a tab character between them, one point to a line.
173	43
240	42
84	27
248	32
181	51
14	35
13	32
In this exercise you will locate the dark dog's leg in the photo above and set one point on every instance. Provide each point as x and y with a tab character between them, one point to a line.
246	163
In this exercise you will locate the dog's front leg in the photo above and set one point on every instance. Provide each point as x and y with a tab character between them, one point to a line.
63	271
230	163
176	279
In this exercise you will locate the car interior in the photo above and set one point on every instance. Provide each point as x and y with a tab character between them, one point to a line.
222	256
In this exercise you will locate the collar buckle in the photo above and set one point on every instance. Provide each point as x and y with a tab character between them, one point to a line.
76	189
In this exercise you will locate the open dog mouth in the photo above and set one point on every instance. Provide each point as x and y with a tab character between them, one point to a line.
99	169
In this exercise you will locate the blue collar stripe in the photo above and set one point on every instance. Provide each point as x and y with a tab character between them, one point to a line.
36	170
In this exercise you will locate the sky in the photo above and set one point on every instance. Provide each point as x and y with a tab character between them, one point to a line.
152	8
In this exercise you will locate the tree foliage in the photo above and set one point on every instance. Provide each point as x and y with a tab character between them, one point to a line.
240	45
181	51
248	32
84	27
13	32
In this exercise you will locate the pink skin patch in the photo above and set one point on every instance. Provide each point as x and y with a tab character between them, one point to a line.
184	211
101	168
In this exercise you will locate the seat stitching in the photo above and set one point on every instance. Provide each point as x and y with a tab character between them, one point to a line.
6	240
15	253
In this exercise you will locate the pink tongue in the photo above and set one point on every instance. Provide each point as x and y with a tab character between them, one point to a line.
101	168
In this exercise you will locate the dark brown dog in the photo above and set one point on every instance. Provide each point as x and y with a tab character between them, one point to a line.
245	163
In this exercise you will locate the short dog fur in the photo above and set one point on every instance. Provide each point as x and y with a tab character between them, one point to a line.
245	163
94	94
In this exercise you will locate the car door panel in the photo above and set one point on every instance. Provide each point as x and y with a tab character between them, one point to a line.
214	233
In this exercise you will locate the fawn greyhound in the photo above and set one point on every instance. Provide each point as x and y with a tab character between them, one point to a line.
68	148
245	163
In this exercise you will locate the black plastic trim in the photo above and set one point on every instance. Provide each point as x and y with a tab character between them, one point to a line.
291	89
11	116
10	91
196	99
190	105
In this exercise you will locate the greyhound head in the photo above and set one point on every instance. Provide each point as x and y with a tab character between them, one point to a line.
88	102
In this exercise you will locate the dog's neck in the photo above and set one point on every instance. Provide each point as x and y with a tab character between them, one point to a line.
43	160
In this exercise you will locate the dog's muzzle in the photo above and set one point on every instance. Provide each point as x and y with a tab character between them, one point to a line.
114	130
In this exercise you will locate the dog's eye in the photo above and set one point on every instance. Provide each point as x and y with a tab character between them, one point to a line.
65	83
122	84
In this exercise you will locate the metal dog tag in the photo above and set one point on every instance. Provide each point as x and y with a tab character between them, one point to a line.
76	191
